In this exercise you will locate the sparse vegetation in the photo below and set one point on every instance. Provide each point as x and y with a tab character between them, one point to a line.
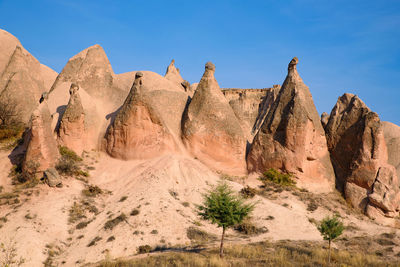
92	191
281	253
198	236
248	192
134	212
154	232
94	241
110	224
123	198
275	176
70	163
224	208
247	227
330	229
144	249
185	204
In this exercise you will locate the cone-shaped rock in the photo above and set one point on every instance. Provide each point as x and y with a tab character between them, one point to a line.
359	155
173	74
72	126
42	150
211	131
292	138
140	129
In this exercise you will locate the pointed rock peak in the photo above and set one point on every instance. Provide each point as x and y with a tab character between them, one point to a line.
324	119
173	74
292	64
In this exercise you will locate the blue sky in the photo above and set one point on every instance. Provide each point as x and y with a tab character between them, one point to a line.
343	46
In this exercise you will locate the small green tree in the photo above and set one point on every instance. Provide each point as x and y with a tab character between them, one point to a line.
330	228
223	207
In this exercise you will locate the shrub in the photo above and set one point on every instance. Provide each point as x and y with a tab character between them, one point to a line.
144	249
248	228
154	232
92	191
123	198
134	212
272	175
248	192
68	154
114	222
94	241
197	235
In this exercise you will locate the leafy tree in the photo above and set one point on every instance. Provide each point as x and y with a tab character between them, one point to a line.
330	228
223	207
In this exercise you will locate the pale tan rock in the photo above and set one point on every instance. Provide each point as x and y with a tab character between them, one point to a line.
292	139
211	131
22	78
251	106
147	124
392	139
42	150
72	127
324	119
356	196
173	74
359	155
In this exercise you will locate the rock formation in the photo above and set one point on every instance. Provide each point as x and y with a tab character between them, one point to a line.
292	138
72	127
251	106
324	119
22	77
392	139
42	150
211	131
359	155
144	127
173	74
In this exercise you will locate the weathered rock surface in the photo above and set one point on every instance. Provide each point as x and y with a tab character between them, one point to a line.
173	74
52	178
22	78
211	131
359	155
72	127
251	106
292	138
148	123
392	138
324	119
42	150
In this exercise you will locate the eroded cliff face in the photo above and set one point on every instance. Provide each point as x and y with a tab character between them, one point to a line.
42	149
292	139
22	78
143	127
211	131
251	106
392	139
359	155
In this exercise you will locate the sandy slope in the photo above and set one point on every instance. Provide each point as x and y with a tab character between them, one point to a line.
157	188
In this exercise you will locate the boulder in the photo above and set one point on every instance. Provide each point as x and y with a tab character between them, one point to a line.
42	149
148	123
292	139
211	131
52	178
359	155
324	119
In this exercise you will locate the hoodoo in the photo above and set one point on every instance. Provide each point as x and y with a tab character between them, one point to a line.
211	131
292	139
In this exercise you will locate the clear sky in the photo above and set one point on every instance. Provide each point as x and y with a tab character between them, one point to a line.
342	45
